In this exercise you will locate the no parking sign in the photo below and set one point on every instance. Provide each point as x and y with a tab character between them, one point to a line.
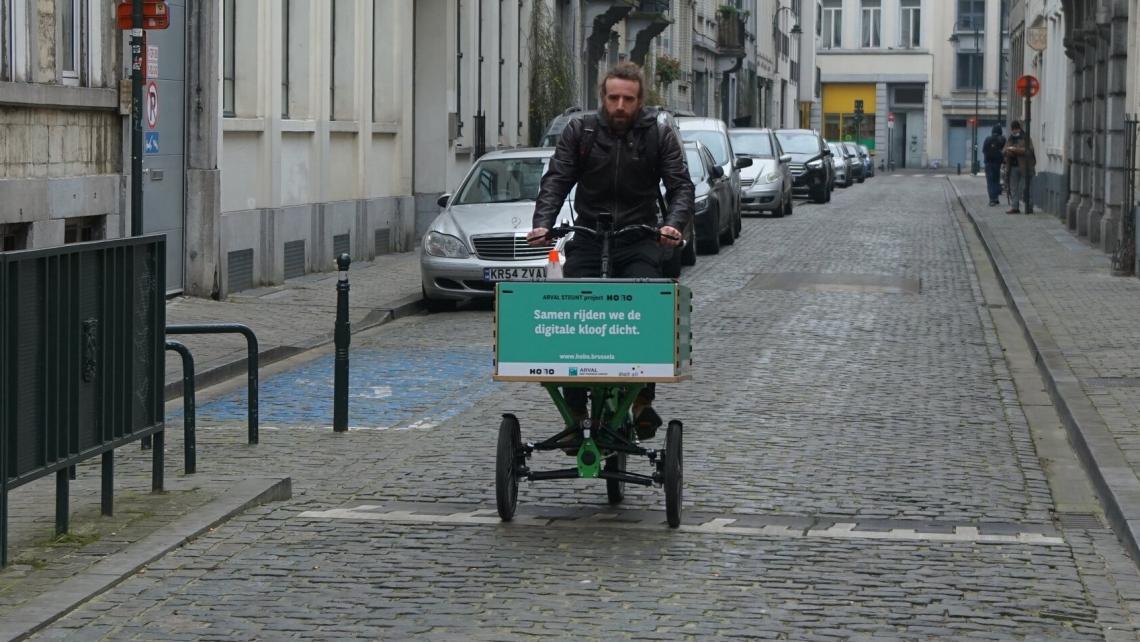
151	105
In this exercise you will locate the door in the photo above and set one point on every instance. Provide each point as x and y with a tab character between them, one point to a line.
898	144
164	135
958	146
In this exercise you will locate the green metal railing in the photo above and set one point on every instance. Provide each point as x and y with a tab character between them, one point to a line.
81	362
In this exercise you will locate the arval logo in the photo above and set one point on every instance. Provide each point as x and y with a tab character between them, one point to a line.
573	372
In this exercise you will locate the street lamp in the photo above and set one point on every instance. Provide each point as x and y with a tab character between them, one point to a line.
973	26
794	31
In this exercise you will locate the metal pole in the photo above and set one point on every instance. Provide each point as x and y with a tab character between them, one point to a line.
107	503
1001	60
1025	174
977	97
62	511
136	119
342	336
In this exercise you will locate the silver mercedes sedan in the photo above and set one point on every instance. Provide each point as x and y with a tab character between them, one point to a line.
480	236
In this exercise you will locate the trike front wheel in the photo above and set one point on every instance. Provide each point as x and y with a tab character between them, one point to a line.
672	476
615	488
506	467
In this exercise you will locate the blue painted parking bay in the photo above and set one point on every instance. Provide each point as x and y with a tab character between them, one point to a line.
402	389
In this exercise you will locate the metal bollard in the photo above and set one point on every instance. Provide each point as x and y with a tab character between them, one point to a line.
959	169
341	337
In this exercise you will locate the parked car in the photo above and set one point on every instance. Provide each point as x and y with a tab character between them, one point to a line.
868	161
713	193
854	162
839	162
480	236
812	171
557	124
767	185
714	135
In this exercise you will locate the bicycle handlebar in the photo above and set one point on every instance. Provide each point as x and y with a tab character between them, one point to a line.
563	230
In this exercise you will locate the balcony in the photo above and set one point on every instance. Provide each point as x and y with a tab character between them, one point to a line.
647	22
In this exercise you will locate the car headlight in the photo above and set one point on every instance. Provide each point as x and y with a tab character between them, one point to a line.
445	245
815	164
772	178
702	204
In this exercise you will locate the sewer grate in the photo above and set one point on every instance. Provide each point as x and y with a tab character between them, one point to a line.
836	282
1079	521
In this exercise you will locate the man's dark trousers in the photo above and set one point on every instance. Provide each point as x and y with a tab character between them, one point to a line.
634	260
993	181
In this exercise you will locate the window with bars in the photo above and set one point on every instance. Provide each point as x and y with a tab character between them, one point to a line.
910	23
832	24
871	23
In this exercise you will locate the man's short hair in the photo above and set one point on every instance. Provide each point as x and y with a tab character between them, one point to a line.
624	70
1015	125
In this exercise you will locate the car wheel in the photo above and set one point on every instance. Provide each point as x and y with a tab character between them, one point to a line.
436	305
739	221
780	211
712	245
822	195
828	199
788	207
689	254
862	178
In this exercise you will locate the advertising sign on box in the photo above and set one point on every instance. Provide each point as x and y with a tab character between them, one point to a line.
592	331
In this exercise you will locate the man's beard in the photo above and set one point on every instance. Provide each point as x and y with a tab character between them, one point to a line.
619	127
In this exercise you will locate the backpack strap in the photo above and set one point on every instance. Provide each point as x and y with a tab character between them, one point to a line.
588	138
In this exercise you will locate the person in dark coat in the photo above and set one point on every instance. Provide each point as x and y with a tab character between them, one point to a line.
992	155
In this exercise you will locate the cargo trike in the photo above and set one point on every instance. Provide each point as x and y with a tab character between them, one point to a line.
611	337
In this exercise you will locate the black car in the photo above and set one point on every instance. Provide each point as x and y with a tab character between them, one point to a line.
854	162
713	198
812	171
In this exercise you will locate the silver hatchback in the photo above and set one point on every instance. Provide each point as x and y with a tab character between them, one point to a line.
480	236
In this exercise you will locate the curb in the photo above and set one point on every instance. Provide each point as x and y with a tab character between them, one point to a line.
103	575
1115	480
398	309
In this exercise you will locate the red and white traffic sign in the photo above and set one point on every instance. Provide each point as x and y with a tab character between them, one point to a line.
151	105
890	119
1028	86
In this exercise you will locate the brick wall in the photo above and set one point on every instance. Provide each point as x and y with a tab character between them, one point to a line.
52	143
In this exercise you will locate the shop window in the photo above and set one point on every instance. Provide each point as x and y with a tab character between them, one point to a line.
83	229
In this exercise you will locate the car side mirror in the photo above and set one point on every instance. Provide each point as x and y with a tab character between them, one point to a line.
741	163
827	152
716	171
442	200
786	158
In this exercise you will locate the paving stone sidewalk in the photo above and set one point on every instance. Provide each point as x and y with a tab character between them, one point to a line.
1084	325
287	319
295	316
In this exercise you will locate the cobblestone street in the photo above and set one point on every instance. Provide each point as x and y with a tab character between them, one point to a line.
858	466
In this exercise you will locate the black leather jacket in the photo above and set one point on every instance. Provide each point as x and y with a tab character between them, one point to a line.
617	177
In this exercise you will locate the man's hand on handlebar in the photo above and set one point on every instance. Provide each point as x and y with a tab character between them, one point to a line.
670	236
538	236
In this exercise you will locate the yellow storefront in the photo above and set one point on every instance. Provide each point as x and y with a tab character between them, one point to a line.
839	113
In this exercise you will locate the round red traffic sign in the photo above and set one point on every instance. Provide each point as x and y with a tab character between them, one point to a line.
890	117
1028	86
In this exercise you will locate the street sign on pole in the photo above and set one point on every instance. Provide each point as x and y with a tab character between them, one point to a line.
1027	86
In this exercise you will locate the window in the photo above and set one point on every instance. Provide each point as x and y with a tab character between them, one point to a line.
872	11
71	26
970	66
285	26
509	180
971	14
341	79
229	60
83	229
832	24
911	23
13	39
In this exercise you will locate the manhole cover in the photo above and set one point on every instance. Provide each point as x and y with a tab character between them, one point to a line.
837	282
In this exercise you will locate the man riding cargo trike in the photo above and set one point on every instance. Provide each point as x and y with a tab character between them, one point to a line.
599	345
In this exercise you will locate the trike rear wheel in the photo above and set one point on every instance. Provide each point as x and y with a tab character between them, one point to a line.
506	467
672	476
615	488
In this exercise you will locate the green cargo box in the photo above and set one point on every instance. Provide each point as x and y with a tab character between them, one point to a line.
593	331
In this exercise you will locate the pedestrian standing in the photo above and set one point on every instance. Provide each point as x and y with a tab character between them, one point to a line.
992	155
1022	161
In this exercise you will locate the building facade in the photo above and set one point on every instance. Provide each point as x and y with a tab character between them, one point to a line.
61	124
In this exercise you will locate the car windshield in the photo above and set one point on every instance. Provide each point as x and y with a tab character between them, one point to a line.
503	180
752	145
696	167
712	139
798	143
834	149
